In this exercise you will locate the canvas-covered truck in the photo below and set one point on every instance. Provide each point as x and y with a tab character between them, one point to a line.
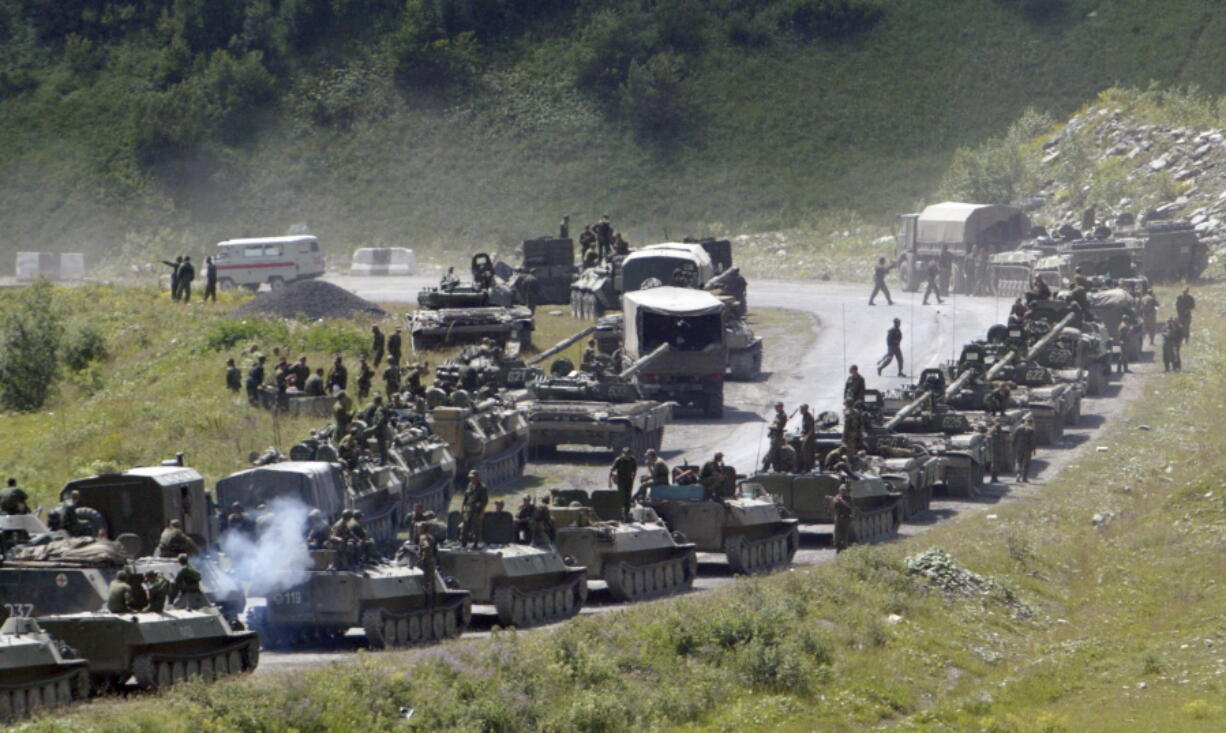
969	233
692	323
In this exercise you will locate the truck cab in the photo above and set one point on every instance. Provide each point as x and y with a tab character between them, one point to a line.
970	233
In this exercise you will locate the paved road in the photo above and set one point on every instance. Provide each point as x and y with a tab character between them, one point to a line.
835	328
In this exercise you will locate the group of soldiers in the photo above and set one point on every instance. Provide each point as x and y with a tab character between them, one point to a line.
132	592
597	242
183	273
15	501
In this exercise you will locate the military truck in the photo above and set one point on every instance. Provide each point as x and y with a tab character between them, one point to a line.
971	233
807	497
395	605
1170	250
158	649
599	290
552	261
595	408
637	559
37	673
527	585
692	323
490	436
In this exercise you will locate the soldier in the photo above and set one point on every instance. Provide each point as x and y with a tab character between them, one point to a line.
157	589
1017	313
314	386
301	373
931	272
393	347
391	379
210	280
773	459
13	500
780	419
1039	290
418	371
588	361
174	276
119	594
543	532
997	401
317	532
808	439
255	379
523	521
564	227
187	273
1184	305
340	533
999	448
1127	336
187	593
234	378
879	286
622	472
945	270
657	469
620	245
604	236
472	511
376	345
1149	314
363	545
427	560
853	388
529	288
853	427
893	348
587	241
338	377
377	417
238	521
1172	340
280	378
342	413
68	517
840	505
1025	444
365	376
174	541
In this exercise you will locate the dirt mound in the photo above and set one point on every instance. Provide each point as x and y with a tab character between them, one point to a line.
309	299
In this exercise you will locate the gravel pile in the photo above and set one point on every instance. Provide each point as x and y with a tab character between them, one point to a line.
310	300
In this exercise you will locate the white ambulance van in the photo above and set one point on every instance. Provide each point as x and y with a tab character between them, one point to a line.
246	263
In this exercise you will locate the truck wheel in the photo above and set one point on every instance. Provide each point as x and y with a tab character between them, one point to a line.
275	283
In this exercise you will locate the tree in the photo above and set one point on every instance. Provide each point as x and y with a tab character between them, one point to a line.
29	345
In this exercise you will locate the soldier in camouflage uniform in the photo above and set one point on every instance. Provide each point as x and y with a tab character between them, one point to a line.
841	505
622	473
1025	449
158	589
472	512
13	500
998	443
234	378
187	593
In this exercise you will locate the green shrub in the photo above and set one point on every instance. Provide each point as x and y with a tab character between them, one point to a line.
227	334
29	346
828	19
82	346
653	97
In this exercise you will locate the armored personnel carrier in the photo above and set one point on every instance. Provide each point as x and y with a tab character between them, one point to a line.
637	559
527	585
595	408
158	649
490	436
395	605
37	673
807	496
756	535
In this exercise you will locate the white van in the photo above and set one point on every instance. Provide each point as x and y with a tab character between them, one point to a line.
274	260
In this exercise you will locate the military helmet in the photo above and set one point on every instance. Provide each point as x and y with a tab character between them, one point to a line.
357	513
347	514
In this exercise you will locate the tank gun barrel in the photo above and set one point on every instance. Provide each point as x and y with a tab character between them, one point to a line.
634	368
719	279
1010	357
908	409
560	346
1051	335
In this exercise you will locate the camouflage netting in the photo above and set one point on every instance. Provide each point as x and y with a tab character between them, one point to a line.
940	570
308	299
83	551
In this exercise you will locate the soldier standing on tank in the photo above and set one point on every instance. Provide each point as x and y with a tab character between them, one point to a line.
472	511
338	376
174	541
157	590
999	447
931	272
622	473
187	593
893	348
174	276
808	439
853	428
342	414
376	345
543	532
13	500
773	460
234	378
1149	314
879	286
1025	449
393	347
1184	305
255	379
840	505
854	387
523	521
604	236
1172	340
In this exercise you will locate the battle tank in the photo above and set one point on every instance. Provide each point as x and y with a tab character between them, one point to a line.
394	604
158	649
637	559
1084	345
476	367
456	313
755	535
949	436
807	496
594	407
527	585
490	436
37	672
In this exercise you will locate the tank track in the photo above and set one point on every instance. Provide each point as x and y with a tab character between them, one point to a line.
962	482
915	501
530	607
159	670
629	582
873	525
421	626
763	554
1048	427
19	699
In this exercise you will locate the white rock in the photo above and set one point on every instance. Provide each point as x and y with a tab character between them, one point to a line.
893	618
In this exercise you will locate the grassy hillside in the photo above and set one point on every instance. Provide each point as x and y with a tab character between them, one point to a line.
160	126
1096	606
